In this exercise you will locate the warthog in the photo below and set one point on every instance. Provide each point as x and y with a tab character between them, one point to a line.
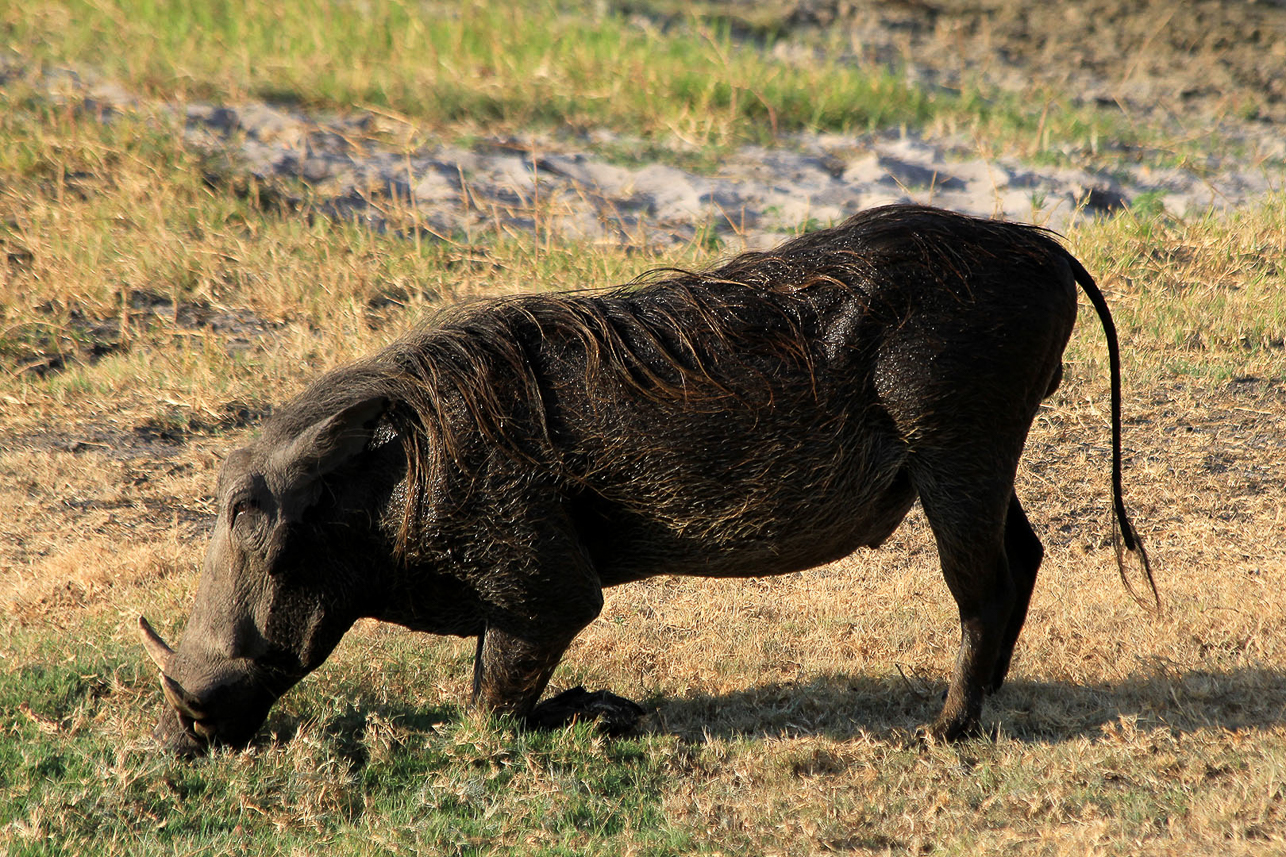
489	474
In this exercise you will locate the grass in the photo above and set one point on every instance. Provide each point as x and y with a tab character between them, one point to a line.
1205	294
535	65
149	320
435	782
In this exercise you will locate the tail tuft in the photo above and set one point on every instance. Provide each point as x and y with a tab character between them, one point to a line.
1124	536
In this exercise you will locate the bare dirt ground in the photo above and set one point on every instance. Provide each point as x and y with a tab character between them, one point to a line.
1197	64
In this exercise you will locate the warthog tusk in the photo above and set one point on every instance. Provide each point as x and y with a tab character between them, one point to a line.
182	701
157	648
160	652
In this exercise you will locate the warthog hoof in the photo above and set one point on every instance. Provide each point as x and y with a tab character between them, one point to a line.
616	715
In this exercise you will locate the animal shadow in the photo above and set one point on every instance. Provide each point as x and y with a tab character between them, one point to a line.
893	707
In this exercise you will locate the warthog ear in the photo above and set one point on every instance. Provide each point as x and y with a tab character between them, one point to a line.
328	444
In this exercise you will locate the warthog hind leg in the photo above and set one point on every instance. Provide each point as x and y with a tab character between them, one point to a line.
1024	552
970	537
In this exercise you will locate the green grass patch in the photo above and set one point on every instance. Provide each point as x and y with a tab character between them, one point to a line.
532	65
371	779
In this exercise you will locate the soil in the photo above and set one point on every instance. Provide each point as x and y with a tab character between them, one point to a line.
1167	61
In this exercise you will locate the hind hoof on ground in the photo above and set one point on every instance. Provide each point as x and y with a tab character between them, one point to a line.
949	731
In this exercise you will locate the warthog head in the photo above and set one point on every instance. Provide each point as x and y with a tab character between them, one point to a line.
276	593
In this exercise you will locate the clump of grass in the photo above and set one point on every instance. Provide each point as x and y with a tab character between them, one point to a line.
1198	295
367	780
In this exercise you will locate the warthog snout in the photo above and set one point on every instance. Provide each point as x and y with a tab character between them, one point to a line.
223	712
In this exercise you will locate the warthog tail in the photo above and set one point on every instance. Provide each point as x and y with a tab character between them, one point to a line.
1122	526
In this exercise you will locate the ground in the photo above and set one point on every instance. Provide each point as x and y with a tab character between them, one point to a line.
159	302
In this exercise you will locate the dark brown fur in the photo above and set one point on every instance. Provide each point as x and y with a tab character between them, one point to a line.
489	474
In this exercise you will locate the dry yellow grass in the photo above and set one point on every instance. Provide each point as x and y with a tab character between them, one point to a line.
793	701
784	710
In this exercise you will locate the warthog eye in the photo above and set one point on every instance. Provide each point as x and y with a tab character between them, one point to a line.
239	508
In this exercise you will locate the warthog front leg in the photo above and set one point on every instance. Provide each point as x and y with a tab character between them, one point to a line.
514	662
510	673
